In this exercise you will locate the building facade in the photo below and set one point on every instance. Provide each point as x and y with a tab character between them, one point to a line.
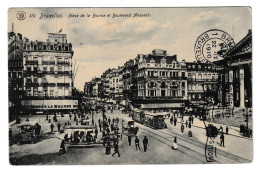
48	75
15	73
161	81
202	83
235	72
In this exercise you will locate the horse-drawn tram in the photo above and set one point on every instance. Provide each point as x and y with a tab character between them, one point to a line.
80	136
153	120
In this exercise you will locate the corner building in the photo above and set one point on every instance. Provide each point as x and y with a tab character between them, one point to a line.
161	81
48	75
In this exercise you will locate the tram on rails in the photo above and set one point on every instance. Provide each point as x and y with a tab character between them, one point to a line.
153	120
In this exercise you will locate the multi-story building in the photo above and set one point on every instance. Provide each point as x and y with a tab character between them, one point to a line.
202	83
235	72
161	81
15	73
48	78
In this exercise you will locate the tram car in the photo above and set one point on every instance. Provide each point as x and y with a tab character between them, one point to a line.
80	135
29	132
153	120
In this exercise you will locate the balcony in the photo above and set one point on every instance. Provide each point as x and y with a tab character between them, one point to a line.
32	84
48	62
48	84
64	72
63	62
31	62
63	84
47	72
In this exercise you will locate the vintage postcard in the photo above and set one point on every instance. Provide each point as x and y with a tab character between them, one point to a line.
103	86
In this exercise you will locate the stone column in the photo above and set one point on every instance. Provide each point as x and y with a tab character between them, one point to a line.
242	87
230	93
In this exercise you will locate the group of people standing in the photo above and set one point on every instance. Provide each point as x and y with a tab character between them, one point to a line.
137	141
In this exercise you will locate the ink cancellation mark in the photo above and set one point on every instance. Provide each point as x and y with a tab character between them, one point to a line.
211	45
21	15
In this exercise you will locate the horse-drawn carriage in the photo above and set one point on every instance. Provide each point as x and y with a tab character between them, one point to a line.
128	127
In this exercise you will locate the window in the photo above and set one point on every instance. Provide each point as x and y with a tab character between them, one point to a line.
51	68
35	91
35	58
29	68
35	80
183	84
163	73
200	76
45	68
59	68
182	74
183	93
66	60
193	66
51	92
173	65
199	67
28	80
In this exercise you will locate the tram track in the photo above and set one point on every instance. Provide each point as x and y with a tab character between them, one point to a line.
198	149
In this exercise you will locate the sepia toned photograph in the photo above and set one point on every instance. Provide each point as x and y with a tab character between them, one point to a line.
130	86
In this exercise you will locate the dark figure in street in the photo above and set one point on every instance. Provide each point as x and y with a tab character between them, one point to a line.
171	120
47	117
75	118
112	110
186	123
175	121
137	143
222	140
96	133
99	122
182	128
129	140
174	145
62	147
192	119
70	116
113	120
58	125
52	126
145	143
116	150
227	130
189	124
109	121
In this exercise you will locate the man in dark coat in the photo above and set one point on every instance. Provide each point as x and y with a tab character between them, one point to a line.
137	143
227	130
182	128
175	121
109	121
52	126
145	143
129	140
222	140
58	125
116	150
189	124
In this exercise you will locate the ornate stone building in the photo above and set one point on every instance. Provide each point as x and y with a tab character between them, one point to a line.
48	78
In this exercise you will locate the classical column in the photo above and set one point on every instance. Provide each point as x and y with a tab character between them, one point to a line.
242	87
230	93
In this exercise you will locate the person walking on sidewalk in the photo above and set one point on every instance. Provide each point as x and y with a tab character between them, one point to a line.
70	116
116	150
189	125
175	121
129	140
58	125
145	143
227	130
186	123
182	128
137	143
109	120
174	145
52	126
192	119
222	139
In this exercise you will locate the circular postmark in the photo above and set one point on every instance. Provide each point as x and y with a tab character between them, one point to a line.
211	45
21	15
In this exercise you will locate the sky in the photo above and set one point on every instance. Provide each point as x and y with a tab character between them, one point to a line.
105	42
